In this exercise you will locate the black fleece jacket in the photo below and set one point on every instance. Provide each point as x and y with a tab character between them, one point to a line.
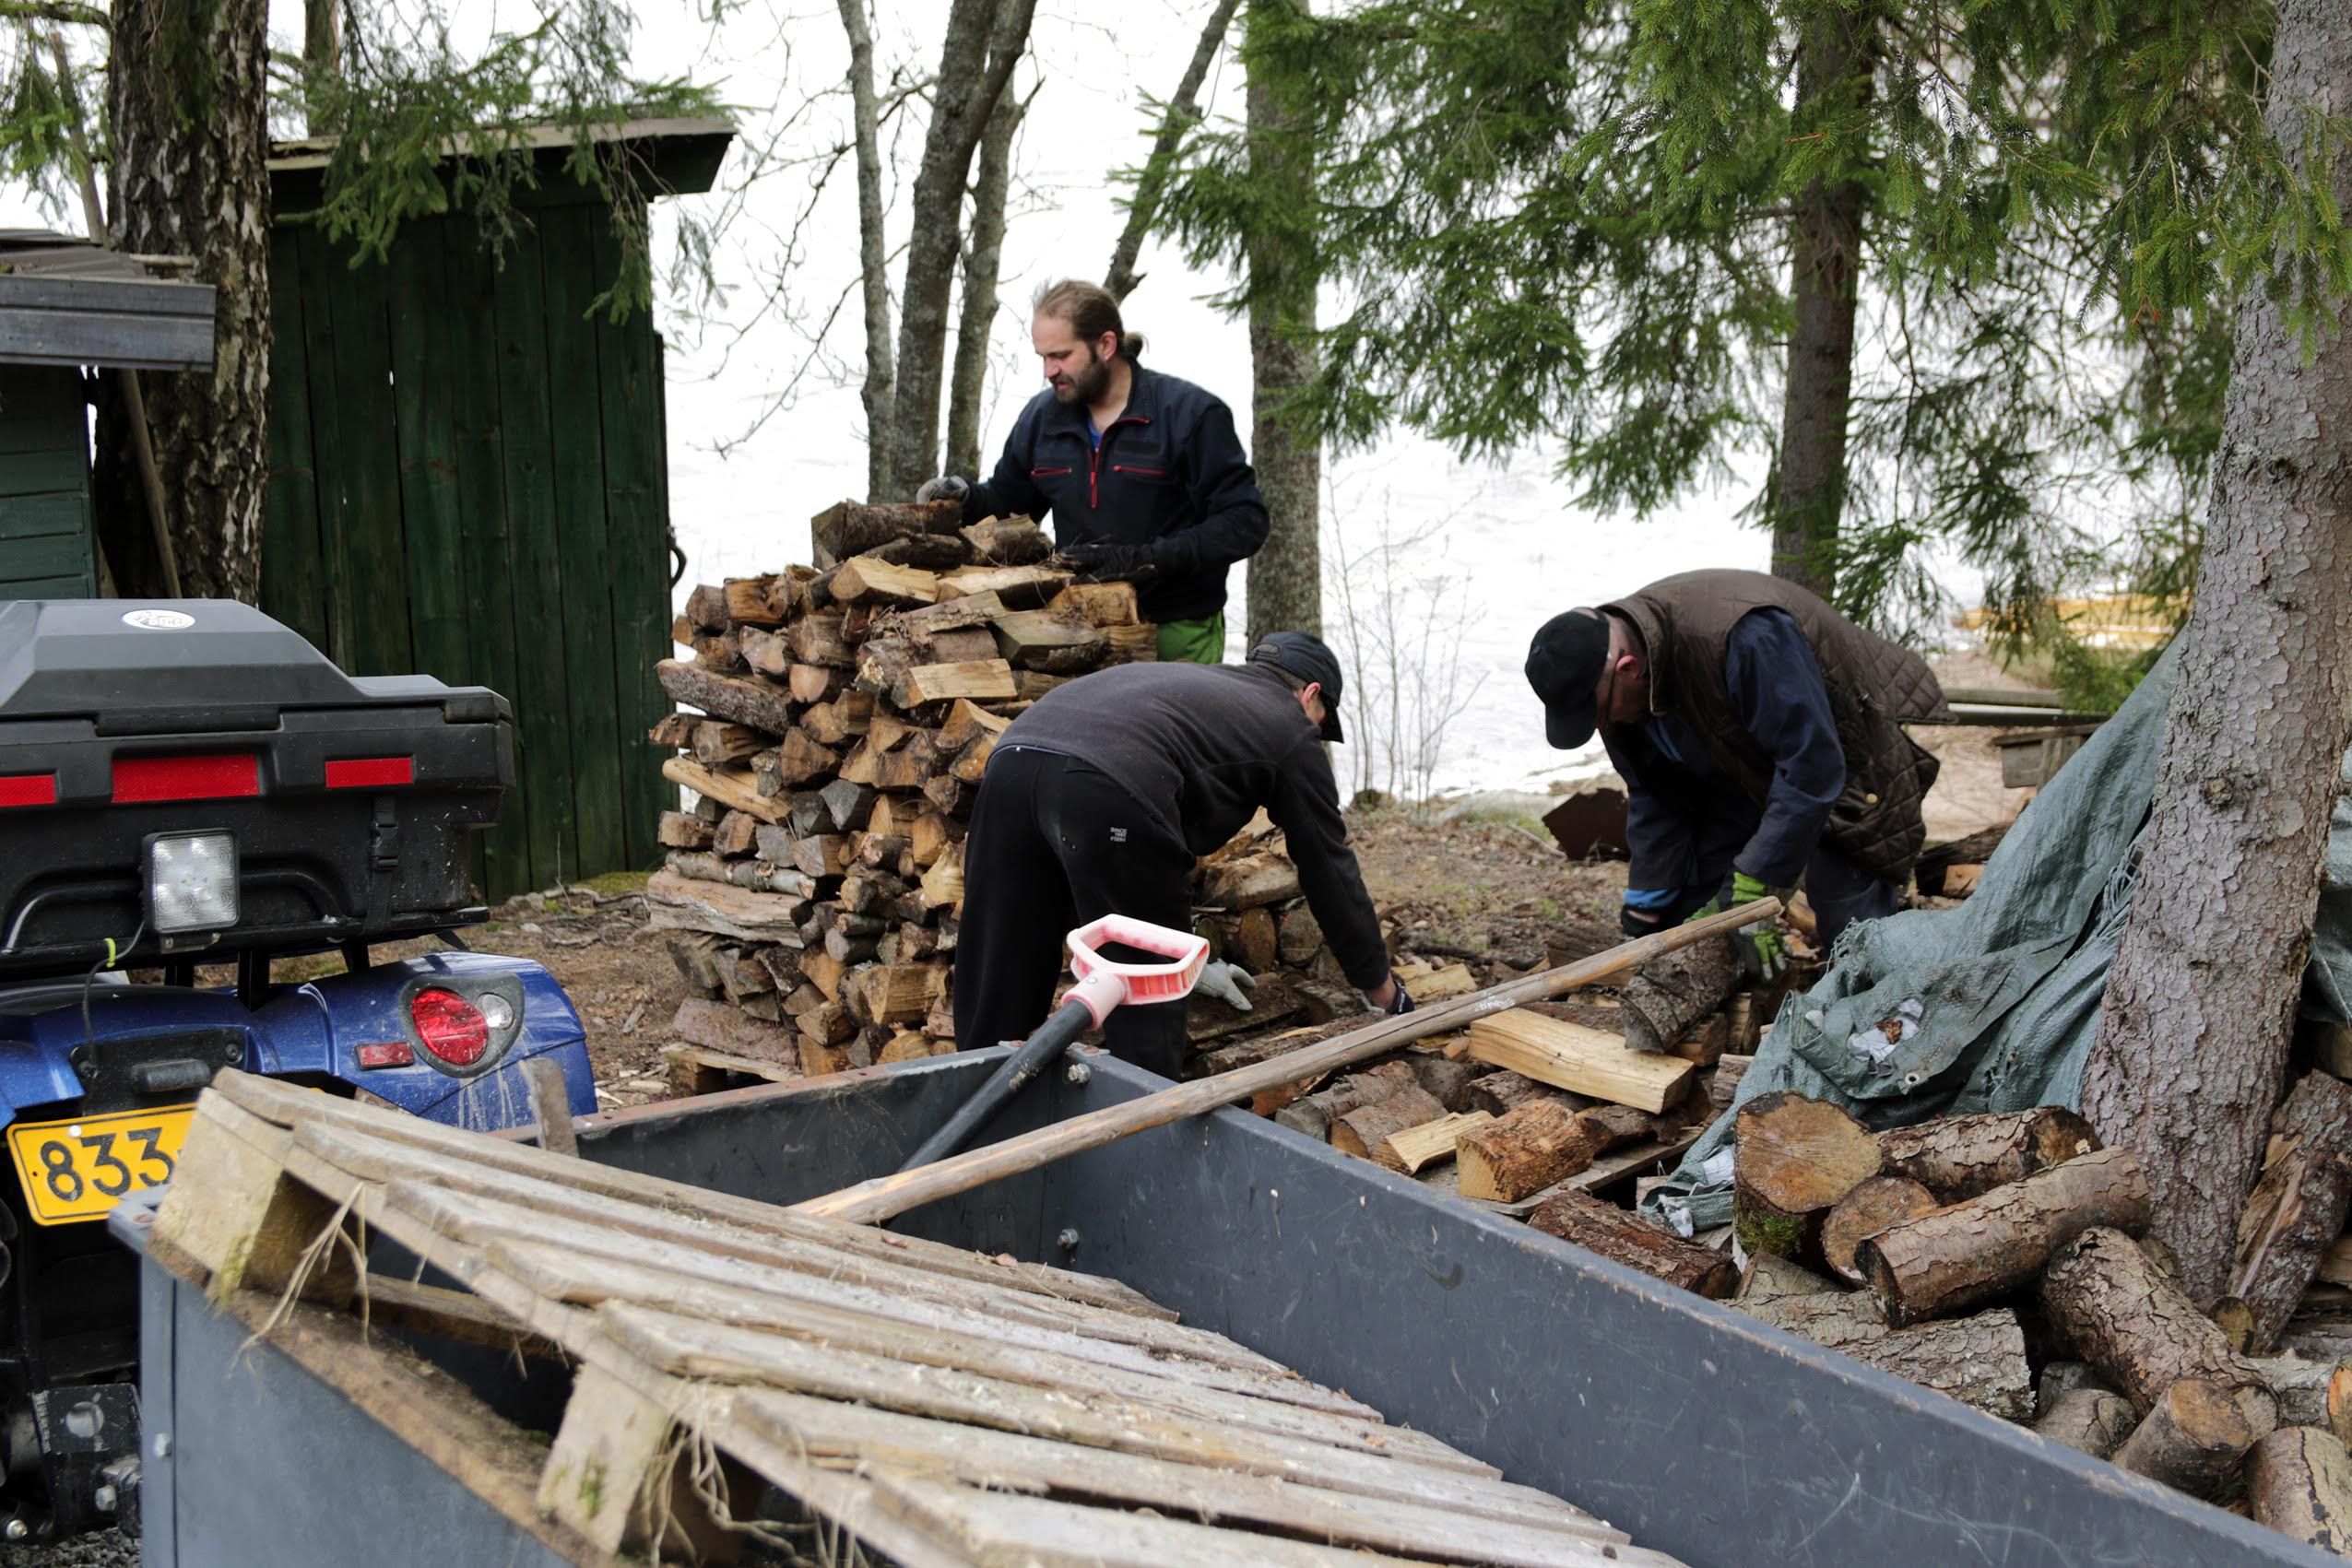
1169	474
1201	748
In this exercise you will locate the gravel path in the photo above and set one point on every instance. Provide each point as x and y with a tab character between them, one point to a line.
108	1548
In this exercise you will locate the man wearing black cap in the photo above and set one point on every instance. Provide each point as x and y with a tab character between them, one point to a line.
1099	799
1759	733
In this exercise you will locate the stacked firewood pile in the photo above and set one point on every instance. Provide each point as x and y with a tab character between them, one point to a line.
2004	1259
847	710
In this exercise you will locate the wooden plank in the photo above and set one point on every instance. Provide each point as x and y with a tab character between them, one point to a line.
431	519
676	903
1583	1061
469	324
1413	1148
829	1430
377	546
731	788
293	580
281	1103
543	740
52	511
585	562
637	539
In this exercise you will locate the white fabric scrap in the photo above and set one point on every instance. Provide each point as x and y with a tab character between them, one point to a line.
1718	1166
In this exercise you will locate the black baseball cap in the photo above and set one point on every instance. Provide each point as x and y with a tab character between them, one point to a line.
1564	664
1304	656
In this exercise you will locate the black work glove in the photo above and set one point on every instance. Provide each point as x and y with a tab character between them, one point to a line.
1104	561
1635	925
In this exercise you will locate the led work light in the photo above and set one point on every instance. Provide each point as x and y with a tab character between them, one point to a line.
191	882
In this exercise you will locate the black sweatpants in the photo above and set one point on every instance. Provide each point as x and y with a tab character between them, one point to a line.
1053	844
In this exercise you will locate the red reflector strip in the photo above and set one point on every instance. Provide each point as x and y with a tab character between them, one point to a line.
28	789
392	1053
371	772
185	778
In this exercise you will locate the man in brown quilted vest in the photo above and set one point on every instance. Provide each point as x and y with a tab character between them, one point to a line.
1760	736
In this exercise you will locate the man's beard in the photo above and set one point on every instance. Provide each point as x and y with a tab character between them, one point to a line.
1086	382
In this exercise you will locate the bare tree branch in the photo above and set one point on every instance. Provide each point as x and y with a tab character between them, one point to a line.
880	392
1184	112
65	11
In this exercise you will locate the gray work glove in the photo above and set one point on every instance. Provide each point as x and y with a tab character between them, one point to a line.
947	486
1223	982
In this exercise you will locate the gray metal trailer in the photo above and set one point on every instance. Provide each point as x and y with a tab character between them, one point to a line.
1702	1433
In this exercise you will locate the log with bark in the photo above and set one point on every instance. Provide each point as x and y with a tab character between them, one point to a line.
1525	1151
1875	1205
1959	1157
1669	996
2311	1392
1623	1237
1796	1159
2297	1207
2195	1435
1367	1128
2298	1482
1954	1258
2092	1419
1980	1360
2147	1338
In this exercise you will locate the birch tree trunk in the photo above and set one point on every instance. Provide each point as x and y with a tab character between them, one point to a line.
2192	1034
982	255
961	105
1285	591
878	391
1833	66
190	134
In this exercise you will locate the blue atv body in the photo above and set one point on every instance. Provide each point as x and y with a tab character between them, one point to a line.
189	793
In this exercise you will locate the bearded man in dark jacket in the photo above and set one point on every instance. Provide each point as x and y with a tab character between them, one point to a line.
1759	733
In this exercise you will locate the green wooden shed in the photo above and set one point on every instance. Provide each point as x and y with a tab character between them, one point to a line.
69	308
468	479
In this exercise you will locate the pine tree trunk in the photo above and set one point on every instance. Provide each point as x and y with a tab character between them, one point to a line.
961	105
1285	592
968	381
878	392
190	129
2192	1035
1836	57
322	54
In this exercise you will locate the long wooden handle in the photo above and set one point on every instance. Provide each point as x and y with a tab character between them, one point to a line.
886	1197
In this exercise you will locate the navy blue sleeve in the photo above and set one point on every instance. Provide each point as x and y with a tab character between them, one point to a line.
1009	492
1306	807
1658	838
1780	698
1225	492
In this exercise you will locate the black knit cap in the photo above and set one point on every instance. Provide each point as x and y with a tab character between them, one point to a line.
1564	664
1305	656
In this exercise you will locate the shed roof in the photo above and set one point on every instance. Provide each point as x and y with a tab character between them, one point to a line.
677	157
66	301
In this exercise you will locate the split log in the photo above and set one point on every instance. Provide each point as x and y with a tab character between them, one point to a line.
1979	1361
1522	1153
966	722
983	680
1028	685
1297	934
1723	1083
2060	1378
2298	1203
706	608
1017	588
1007	541
766	652
1959	1157
1251	941
1582	1060
1771	1277
2197	1434
2298	1482
852	527
1048	641
2092	1419
1669	995
814	683
757	601
1314	1114
1365	1129
795	759
717	744
678	830
1130	644
1105	604
847	805
682	903
1876	1205
2124	1317
1967	1253
1601	1227
1413	1148
736	834
819	638
1797	1158
738	698
1448	1080
1249	883
720	1026
1503	1091
721	655
675	731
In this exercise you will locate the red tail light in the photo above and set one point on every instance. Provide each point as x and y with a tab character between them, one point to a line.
452	1028
185	778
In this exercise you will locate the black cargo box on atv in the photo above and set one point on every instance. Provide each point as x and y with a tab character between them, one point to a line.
348	798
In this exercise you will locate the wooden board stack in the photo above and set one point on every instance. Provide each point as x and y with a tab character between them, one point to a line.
942	1406
846	712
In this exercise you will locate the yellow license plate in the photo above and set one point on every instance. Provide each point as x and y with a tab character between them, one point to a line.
80	1168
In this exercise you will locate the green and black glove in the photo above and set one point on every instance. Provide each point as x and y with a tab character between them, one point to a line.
1762	948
